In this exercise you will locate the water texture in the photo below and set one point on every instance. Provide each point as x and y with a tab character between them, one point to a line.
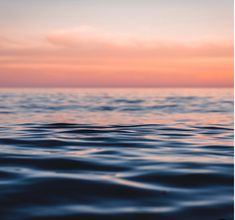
116	154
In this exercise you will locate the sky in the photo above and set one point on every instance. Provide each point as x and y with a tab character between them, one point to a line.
116	43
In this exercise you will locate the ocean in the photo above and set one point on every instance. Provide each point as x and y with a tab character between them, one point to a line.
161	154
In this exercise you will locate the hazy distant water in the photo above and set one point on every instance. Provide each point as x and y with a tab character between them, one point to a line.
116	154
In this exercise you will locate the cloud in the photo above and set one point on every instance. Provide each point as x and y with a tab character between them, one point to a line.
89	39
8	43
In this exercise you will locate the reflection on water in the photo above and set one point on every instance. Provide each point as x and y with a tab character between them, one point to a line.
116	154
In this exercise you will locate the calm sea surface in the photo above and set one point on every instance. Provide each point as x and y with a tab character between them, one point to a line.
161	154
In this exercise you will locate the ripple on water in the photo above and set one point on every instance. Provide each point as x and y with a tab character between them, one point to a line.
113	172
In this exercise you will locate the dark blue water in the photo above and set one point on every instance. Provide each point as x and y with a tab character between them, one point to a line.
116	154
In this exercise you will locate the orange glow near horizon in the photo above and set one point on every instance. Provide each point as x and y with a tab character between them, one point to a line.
117	66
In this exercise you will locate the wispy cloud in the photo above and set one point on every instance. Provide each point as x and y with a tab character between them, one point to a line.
86	38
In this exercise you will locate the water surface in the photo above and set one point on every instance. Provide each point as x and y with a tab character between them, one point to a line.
116	154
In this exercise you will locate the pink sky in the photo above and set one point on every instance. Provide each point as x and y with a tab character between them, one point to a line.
95	56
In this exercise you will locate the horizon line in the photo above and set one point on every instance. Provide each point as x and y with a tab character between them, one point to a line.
117	87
